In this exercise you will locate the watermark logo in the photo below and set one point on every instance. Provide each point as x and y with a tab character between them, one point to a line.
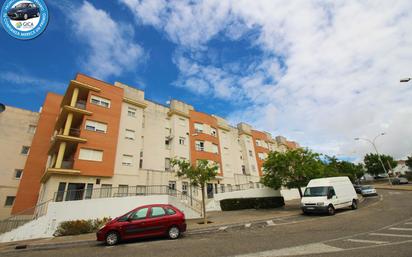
24	19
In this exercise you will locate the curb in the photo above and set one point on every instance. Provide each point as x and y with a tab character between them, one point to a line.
394	188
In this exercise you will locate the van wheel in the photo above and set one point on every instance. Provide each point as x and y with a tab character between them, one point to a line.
112	238
354	204
331	210
25	16
173	232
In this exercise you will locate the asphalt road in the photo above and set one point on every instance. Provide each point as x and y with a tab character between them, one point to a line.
382	226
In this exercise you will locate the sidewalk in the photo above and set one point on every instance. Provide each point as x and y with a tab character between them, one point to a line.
218	220
406	187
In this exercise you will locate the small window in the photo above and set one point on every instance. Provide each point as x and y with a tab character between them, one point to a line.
25	150
243	169
170	211
139	214
181	140
131	112
141	164
100	101
185	186
96	126
127	160
18	173
200	146
157	212
250	153
130	134
9	200
257	142
213	132
31	129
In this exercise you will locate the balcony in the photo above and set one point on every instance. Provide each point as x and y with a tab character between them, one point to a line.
74	136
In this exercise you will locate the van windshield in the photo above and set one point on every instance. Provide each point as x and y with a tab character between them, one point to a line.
316	191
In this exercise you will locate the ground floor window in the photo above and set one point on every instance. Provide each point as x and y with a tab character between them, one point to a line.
9	200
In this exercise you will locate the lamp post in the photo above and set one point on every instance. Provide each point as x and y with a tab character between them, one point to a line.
372	142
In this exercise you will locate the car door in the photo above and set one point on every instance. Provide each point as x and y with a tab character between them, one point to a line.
136	224
157	222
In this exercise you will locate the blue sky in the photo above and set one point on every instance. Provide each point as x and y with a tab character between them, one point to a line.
320	73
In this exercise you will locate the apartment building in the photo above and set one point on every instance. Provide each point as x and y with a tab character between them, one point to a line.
17	128
110	138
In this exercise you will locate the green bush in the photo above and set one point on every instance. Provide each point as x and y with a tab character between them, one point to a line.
251	203
77	227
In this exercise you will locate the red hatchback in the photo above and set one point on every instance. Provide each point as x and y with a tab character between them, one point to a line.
144	221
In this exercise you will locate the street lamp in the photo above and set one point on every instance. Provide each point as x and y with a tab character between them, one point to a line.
406	79
376	150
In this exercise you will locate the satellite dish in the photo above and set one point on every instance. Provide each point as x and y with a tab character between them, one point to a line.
2	107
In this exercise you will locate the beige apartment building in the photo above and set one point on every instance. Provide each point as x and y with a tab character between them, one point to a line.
101	138
17	128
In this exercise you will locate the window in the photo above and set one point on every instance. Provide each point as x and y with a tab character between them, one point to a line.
25	150
31	129
106	190
262	156
141	163
89	191
60	191
157	212
100	101
229	187
9	200
185	186
213	132
170	211
129	134
131	112
181	140
198	127
90	155
123	190
167	143
200	145
250	153
215	149
167	164
172	185
139	214
127	160
96	126
18	173
257	142
243	169
182	122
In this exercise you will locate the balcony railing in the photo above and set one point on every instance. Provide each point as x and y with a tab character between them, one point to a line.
232	188
81	104
67	164
74	132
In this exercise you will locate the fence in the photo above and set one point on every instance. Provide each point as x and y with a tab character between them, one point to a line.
232	188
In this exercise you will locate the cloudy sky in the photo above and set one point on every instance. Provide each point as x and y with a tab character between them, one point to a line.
318	72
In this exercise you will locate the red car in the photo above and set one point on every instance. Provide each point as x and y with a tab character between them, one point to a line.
144	221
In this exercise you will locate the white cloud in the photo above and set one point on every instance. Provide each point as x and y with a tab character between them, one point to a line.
329	71
111	47
23	83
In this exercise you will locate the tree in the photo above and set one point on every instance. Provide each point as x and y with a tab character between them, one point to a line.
335	167
409	162
198	174
374	166
292	169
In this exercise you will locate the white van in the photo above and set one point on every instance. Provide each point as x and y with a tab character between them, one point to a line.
329	194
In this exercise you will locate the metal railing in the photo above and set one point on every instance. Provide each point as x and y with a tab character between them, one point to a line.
81	104
23	217
112	192
232	188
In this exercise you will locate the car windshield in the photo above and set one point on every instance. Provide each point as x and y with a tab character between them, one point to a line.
22	5
367	187
316	191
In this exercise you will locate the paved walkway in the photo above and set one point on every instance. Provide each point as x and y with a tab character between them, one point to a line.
407	187
218	219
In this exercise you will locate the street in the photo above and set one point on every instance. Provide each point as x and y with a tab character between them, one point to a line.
382	226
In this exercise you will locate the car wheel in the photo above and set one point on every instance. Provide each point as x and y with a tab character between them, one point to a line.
354	204
173	232
331	210
112	238
25	16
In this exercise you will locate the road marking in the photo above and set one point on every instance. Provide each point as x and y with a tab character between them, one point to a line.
316	248
222	228
401	229
270	223
366	241
393	235
248	225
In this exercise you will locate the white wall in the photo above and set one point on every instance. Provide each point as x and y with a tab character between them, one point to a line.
87	209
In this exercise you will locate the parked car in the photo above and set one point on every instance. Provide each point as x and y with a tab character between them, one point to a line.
328	194
368	190
144	221
24	11
357	188
400	180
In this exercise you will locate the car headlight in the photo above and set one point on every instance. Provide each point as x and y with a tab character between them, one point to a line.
320	204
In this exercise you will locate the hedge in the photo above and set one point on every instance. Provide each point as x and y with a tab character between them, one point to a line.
252	203
77	227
